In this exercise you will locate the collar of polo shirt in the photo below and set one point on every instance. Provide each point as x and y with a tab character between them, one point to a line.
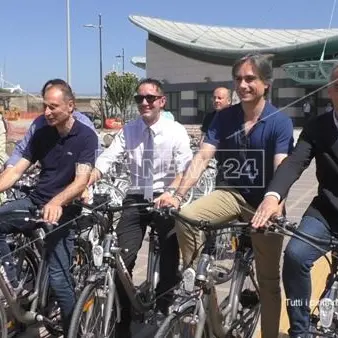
74	130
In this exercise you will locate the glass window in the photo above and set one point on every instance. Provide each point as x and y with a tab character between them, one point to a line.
173	104
204	102
201	102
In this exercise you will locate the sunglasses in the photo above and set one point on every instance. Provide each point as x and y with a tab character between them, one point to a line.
149	98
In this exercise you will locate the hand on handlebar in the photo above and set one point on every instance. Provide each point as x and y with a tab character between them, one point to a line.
52	213
166	200
267	209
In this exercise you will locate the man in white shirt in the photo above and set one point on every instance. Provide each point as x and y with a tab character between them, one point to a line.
164	144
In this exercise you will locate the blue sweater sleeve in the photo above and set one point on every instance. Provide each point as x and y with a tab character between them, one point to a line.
38	123
84	119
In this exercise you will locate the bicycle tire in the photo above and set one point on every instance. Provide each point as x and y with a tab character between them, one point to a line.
84	303
32	262
174	319
3	322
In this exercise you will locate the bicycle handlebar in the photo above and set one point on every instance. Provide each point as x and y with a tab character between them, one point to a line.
107	208
281	225
202	224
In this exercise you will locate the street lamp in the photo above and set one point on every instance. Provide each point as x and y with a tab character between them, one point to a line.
99	27
121	56
68	43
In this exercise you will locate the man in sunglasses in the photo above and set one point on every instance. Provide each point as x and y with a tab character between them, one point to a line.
158	152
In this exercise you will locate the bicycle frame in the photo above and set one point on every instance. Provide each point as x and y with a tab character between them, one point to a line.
134	293
153	275
114	265
243	265
205	299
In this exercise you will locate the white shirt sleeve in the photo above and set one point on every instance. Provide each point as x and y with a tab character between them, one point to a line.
182	151
112	154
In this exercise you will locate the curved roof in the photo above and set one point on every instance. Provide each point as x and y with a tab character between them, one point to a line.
233	40
139	61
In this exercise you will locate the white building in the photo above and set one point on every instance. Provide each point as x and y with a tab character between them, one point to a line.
191	60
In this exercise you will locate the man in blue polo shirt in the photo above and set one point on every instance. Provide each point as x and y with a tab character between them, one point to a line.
249	140
40	122
66	151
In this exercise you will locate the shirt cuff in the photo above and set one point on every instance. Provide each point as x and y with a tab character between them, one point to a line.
273	193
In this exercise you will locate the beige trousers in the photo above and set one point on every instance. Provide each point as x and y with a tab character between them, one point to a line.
226	205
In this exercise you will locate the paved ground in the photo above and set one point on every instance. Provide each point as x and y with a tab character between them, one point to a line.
300	196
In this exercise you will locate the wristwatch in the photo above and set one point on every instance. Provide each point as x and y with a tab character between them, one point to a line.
170	190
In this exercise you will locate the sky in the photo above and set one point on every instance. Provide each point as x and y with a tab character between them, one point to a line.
33	32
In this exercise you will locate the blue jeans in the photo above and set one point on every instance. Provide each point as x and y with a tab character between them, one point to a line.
298	261
59	246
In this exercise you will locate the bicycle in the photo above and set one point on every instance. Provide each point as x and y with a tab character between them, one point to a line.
37	305
324	317
98	303
195	312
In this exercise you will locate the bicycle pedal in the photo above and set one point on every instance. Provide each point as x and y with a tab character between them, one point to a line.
249	298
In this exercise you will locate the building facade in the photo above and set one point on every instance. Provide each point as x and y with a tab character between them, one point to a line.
191	64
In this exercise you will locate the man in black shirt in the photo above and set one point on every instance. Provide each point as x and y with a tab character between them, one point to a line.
221	99
319	140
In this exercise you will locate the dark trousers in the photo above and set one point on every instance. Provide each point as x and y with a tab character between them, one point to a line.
130	231
59	244
298	261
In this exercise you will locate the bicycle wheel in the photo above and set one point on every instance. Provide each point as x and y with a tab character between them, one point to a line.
89	316
26	263
182	324
3	322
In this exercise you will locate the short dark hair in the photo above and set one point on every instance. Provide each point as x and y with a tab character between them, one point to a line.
262	64
62	85
153	82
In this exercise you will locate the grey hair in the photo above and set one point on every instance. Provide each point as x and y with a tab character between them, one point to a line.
60	84
262	64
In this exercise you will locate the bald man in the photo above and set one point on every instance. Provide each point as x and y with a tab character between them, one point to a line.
221	99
